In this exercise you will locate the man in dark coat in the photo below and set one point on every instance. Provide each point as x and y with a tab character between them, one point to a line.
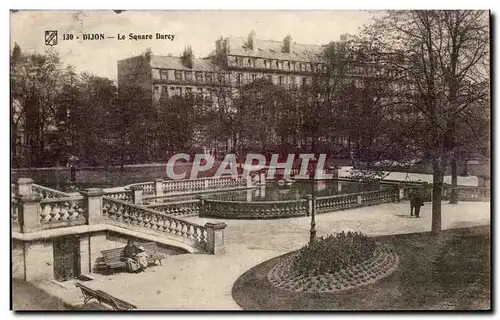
416	201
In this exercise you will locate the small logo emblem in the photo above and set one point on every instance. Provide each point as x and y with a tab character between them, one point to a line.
51	38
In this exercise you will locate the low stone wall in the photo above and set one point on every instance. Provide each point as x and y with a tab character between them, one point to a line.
253	210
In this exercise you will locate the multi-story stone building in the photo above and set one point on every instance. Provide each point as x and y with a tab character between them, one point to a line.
237	61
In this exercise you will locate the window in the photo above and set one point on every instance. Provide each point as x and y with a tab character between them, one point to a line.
292	81
238	78
270	77
240	62
179	91
200	90
277	64
164	89
300	66
156	89
189	90
250	62
265	63
208	77
172	89
288	65
281	80
304	81
163	74
178	75
199	76
254	77
189	76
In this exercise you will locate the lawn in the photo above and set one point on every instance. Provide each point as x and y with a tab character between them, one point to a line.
447	271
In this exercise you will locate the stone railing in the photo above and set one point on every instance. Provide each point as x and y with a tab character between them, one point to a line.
62	212
468	193
48	193
14	215
379	196
253	210
148	188
337	202
125	195
142	217
188	208
159	188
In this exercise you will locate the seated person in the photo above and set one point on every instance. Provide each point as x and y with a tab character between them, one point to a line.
130	253
142	259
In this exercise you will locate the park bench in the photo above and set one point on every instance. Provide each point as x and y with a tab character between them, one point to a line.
103	297
113	258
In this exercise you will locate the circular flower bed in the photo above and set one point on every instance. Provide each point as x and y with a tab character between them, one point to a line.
337	263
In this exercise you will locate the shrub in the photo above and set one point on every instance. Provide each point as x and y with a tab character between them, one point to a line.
330	254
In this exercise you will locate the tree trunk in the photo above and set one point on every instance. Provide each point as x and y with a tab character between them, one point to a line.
437	180
454	182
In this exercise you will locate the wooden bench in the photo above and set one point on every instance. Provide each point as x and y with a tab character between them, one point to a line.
114	258
103	297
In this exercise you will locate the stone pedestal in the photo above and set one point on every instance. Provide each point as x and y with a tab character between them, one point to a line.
205	184
262	178
29	213
401	193
24	186
201	211
158	187
358	199
92	205
136	194
215	237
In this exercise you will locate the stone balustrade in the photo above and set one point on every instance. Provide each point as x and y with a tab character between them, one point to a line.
336	202
379	196
469	193
47	193
188	208
125	195
142	217
14	214
62	212
253	210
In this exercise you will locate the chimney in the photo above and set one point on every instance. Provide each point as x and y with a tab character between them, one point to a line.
188	57
251	40
287	42
227	45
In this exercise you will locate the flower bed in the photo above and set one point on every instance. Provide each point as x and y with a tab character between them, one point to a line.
290	274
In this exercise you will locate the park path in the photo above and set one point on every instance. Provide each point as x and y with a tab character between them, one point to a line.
204	282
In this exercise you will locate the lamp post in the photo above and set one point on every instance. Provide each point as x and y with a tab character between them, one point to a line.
312	232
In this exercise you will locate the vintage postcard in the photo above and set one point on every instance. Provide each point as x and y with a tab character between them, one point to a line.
250	160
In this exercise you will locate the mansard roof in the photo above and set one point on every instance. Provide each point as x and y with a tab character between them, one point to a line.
168	62
270	49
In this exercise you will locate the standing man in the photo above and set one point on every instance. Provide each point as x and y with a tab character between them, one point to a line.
416	201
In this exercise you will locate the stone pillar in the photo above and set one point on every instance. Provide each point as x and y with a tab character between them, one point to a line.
249	181
24	186
359	199
158	187
309	199
401	193
262	177
136	194
29	213
215	237
201	211
92	205
206	183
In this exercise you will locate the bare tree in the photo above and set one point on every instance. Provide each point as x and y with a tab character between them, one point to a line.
440	56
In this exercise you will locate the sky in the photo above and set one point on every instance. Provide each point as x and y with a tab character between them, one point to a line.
199	29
